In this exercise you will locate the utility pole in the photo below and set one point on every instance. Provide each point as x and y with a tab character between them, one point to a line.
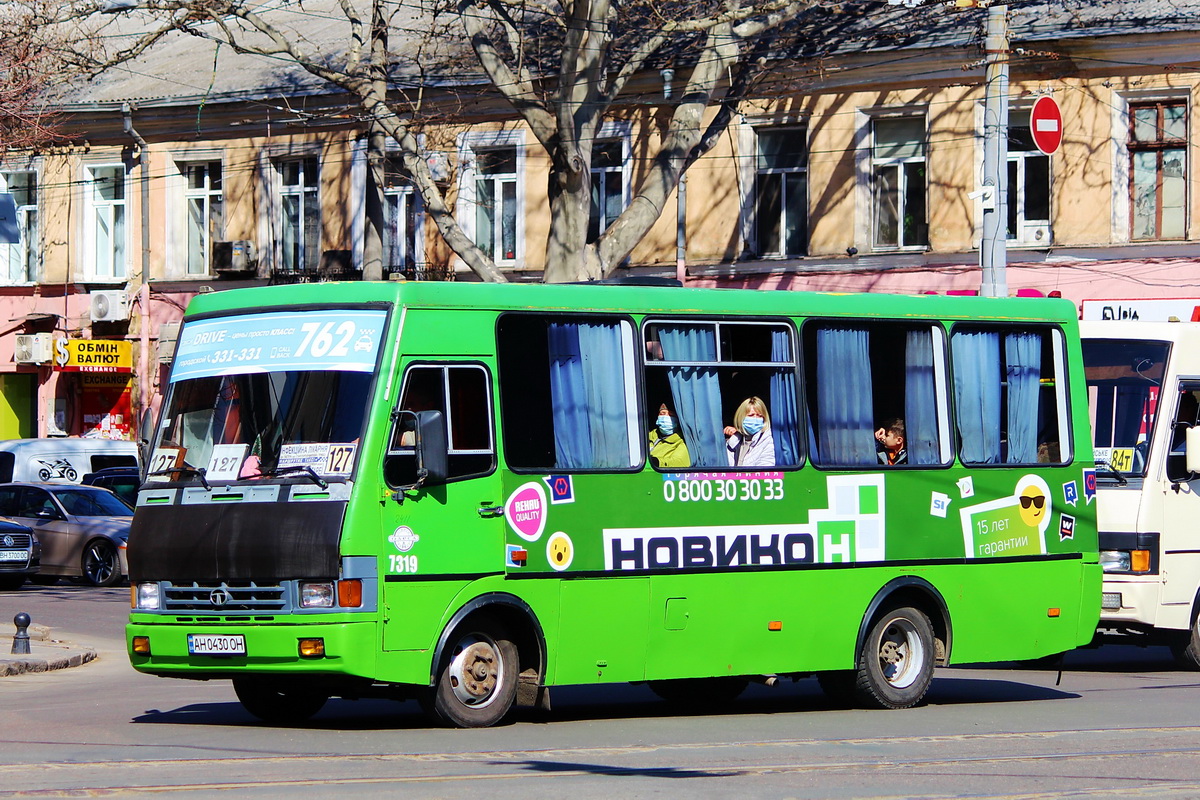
993	255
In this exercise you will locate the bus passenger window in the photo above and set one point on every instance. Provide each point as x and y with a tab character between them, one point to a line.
1010	395
704	372
1187	415
467	415
877	394
567	392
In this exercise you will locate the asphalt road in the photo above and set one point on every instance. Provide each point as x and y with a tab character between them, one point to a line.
1121	723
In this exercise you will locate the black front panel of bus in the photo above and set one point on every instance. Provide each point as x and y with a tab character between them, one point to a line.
235	541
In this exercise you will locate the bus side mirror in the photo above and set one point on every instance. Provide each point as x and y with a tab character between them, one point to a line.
1192	454
432	468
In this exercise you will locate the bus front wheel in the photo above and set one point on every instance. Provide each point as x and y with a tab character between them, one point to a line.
1186	648
276	704
895	664
477	681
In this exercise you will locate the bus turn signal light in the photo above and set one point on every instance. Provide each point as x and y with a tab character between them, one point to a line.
1053	612
775	625
1139	561
312	648
349	593
140	645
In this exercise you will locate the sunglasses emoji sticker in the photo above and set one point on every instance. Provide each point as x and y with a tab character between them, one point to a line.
1033	502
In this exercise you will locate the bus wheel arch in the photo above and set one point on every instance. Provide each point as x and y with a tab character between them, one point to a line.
496	632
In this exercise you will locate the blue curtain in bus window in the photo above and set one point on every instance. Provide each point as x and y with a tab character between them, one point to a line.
696	391
785	416
845	428
604	385
977	395
920	399
587	396
1023	360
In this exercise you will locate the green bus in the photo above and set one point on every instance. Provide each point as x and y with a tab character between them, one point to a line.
466	494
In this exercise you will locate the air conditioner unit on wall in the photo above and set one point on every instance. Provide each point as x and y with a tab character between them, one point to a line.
168	335
109	306
34	348
236	256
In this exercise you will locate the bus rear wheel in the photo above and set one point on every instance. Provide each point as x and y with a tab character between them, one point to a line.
276	704
895	664
477	681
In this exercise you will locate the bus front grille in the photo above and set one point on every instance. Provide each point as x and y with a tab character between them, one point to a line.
223	597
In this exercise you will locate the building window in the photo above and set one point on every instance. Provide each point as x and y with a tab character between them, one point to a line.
18	261
898	180
496	202
1028	184
300	223
608	186
402	209
1158	169
205	214
781	192
105	190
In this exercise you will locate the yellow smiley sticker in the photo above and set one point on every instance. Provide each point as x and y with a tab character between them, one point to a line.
559	551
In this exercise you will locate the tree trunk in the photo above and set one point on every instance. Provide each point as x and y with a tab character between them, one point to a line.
569	257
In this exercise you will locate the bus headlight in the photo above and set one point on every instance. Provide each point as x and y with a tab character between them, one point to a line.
316	595
147	597
1114	560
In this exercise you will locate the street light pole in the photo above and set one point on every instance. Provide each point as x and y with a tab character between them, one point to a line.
993	255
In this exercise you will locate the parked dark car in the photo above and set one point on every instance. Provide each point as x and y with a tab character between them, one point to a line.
121	481
20	554
82	529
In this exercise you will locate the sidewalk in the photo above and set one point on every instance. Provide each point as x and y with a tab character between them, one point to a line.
45	653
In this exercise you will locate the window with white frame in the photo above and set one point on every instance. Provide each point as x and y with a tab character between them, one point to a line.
608	185
402	211
106	220
781	192
496	202
300	215
18	261
898	182
1028	184
1158	168
205	213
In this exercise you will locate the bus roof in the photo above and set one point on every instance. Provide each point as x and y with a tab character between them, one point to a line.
630	298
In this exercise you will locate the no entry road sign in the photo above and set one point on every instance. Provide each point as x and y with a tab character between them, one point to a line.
1045	123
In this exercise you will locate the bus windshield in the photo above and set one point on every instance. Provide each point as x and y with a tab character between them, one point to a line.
1124	379
267	394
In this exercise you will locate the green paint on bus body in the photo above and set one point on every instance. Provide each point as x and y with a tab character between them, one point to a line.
640	575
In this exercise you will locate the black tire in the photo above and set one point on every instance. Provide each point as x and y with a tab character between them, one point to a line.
10	583
100	565
477	677
276	703
700	692
895	664
1186	648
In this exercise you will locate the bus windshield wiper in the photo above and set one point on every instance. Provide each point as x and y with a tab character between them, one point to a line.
186	469
1110	469
305	470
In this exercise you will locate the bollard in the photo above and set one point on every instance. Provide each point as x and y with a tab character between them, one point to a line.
20	645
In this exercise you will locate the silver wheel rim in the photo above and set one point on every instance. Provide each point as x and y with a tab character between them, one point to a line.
901	653
99	569
476	671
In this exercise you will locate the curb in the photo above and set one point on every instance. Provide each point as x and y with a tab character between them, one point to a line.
45	654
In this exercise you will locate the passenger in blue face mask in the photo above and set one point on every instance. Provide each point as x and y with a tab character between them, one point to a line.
667	448
750	443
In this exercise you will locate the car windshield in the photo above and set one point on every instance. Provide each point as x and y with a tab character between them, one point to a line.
263	394
1124	378
85	502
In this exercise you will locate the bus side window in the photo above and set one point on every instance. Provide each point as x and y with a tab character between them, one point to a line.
865	377
467	414
1011	394
1187	414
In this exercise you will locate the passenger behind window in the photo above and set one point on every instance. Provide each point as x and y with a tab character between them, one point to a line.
891	442
667	448
750	443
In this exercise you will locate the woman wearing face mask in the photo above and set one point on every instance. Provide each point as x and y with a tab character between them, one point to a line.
667	448
750	443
